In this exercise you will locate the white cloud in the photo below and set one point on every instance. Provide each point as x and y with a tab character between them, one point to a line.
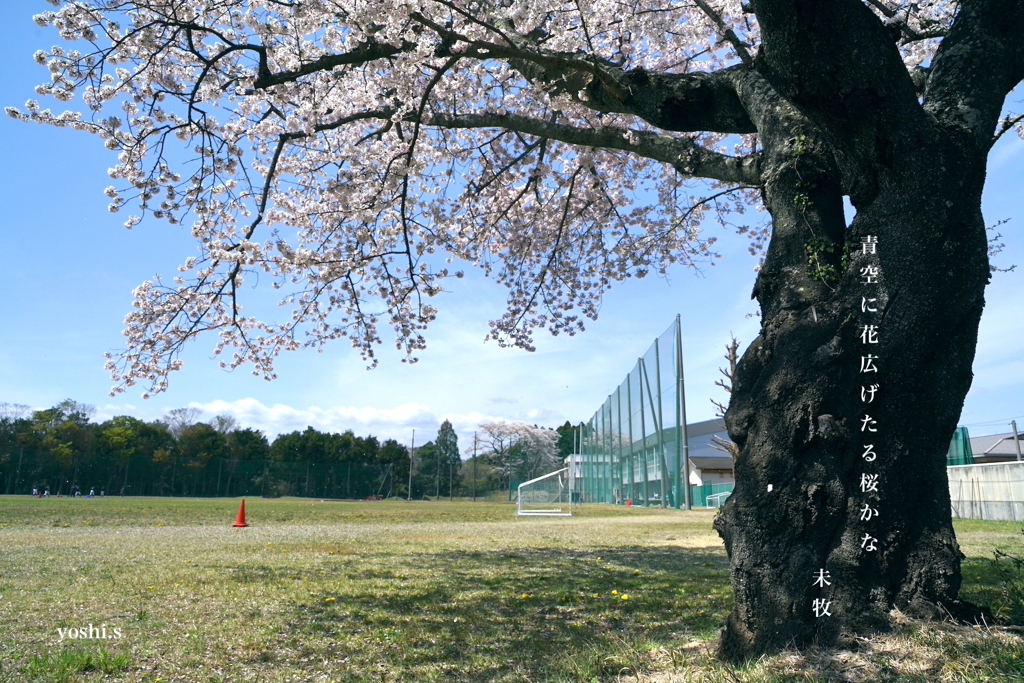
384	423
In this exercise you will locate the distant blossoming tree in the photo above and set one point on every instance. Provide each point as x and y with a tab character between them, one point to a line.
519	451
353	152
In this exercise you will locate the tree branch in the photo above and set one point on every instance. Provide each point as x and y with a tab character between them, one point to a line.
367	52
677	102
685	156
904	33
727	33
977	64
1007	124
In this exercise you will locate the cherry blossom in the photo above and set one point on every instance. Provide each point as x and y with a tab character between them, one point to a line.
359	154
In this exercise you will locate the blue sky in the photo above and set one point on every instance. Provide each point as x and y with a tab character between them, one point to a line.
69	269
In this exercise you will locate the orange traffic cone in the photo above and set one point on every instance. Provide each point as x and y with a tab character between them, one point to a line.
240	520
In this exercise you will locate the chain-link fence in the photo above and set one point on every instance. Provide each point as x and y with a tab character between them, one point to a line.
637	449
635	445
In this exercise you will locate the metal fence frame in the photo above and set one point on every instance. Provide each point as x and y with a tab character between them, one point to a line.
626	449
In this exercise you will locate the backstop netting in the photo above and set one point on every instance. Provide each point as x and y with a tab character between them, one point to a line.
546	496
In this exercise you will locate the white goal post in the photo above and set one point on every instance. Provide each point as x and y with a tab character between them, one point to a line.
546	496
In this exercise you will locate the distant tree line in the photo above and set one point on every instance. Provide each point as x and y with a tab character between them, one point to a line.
62	447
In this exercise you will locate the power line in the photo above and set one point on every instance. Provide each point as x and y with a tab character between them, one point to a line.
993	422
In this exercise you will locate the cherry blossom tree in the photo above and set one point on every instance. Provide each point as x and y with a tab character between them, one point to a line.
518	450
356	154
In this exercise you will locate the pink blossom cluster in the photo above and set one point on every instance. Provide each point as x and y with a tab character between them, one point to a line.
358	153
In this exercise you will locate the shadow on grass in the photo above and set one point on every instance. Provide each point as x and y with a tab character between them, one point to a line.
997	583
538	615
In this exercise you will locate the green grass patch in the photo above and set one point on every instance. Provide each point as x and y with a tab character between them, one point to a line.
65	666
996	578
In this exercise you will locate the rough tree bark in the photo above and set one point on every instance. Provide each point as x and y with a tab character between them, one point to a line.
838	115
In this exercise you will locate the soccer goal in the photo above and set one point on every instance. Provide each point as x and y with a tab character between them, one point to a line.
547	496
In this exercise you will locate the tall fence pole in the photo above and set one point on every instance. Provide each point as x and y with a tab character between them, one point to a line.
661	428
656	418
598	453
606	447
595	459
1016	440
679	429
583	469
601	430
683	459
643	430
584	459
618	438
585	462
629	420
595	484
614	489
578	476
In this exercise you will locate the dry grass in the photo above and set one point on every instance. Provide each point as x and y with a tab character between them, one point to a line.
329	591
912	652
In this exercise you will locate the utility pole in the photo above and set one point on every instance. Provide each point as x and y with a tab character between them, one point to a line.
451	480
21	455
412	449
474	467
1016	439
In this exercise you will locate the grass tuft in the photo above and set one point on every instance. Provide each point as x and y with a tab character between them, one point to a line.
64	667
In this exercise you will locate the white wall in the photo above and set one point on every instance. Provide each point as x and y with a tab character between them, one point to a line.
993	491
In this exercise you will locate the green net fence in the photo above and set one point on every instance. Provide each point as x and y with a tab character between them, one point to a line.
632	448
710	495
637	448
960	449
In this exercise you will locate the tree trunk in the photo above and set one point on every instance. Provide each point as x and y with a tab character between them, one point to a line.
825	536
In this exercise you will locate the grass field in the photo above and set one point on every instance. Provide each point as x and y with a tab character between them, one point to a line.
393	591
